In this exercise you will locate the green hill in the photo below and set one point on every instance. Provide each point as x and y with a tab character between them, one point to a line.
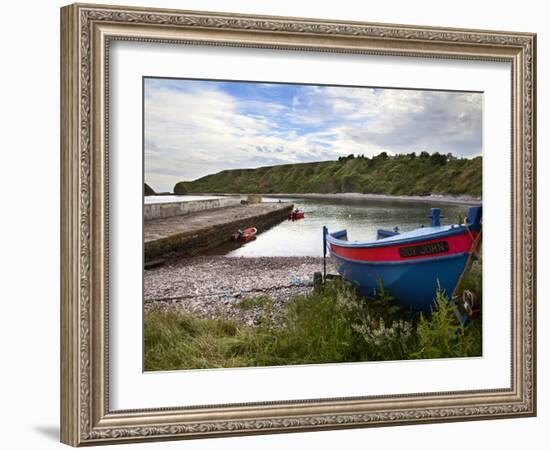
148	190
396	175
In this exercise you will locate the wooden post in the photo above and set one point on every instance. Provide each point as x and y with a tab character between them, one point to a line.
317	282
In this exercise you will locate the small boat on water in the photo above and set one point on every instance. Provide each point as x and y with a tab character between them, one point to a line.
412	264
296	214
244	235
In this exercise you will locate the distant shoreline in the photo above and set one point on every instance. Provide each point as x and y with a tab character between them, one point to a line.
432	198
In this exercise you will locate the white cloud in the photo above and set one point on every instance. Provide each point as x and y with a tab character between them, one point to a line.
190	133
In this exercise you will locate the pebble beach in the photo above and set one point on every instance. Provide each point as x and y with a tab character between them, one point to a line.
219	286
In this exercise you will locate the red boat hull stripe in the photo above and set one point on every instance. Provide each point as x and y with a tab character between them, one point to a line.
450	245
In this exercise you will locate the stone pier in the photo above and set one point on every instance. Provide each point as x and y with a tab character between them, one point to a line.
163	210
200	231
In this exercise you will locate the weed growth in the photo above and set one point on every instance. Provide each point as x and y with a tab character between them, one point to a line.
331	326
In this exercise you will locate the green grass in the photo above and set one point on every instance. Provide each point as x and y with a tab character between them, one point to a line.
440	336
398	175
334	325
254	302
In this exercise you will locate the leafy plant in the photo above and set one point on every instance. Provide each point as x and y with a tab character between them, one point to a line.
441	336
382	325
384	301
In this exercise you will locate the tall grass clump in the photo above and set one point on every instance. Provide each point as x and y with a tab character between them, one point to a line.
317	327
331	326
441	336
180	341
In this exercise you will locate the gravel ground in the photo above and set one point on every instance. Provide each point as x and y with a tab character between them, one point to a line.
215	286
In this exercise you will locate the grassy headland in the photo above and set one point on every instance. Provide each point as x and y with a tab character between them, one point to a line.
148	190
409	174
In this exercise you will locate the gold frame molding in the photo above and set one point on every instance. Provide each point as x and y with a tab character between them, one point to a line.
86	31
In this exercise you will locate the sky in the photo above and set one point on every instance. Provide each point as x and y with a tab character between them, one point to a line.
198	127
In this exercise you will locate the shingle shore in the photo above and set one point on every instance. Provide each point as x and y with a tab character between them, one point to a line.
213	286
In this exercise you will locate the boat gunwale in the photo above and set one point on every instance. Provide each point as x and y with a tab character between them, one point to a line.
391	241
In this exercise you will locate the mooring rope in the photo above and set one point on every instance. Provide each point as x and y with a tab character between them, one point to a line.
471	252
225	293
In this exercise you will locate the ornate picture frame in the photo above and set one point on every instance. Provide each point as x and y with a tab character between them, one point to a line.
86	34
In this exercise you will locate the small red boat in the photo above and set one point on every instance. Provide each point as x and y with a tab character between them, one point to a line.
244	235
296	214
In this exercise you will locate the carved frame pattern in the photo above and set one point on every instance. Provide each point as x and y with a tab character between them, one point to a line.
86	418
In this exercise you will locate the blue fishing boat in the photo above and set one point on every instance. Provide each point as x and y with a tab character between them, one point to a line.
411	265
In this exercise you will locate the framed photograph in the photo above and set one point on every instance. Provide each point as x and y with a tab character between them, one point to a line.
278	224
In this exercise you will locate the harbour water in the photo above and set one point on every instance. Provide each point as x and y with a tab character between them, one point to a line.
361	217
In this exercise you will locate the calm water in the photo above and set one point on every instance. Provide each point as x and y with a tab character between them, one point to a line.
360	217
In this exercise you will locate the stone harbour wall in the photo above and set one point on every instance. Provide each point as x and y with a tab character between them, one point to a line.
212	235
172	209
